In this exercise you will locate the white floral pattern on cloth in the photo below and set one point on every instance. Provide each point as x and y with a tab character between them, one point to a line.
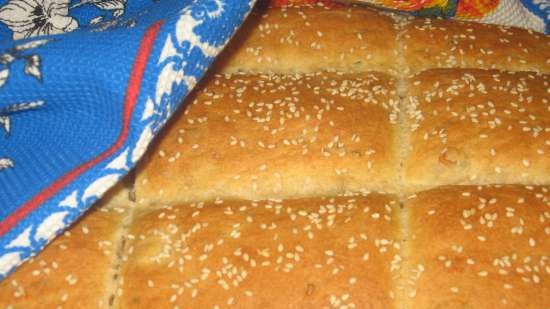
117	6
19	53
32	68
5	163
5	124
30	18
175	72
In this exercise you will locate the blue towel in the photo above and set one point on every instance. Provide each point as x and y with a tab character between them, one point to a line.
84	87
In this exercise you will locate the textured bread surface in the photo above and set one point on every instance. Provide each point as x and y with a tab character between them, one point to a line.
313	39
278	136
74	271
433	43
477	127
317	38
305	253
449	247
479	247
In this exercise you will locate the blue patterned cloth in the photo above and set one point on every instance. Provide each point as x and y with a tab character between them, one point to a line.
84	87
540	9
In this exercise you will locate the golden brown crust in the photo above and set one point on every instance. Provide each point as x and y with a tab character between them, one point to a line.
432	43
478	127
74	271
479	247
313	39
272	136
354	39
307	253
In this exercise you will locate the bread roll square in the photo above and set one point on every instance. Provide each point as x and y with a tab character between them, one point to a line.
479	247
304	253
277	136
435	43
313	39
477	127
74	271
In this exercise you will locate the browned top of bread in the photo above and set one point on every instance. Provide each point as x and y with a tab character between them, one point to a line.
313	39
353	39
433	43
479	247
307	253
74	271
277	136
361	251
478	127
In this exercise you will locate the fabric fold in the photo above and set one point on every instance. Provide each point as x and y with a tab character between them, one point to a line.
78	109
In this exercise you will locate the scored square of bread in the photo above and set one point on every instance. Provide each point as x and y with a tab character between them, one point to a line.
277	136
74	271
433	43
477	127
339	252
313	39
478	247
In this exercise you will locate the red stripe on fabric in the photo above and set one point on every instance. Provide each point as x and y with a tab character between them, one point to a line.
132	92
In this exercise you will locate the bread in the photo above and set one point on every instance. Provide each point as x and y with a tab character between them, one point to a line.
459	126
433	43
337	252
313	39
273	136
478	247
392	197
433	249
477	127
74	271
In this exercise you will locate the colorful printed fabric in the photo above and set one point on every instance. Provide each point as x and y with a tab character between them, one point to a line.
529	14
502	12
84	87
